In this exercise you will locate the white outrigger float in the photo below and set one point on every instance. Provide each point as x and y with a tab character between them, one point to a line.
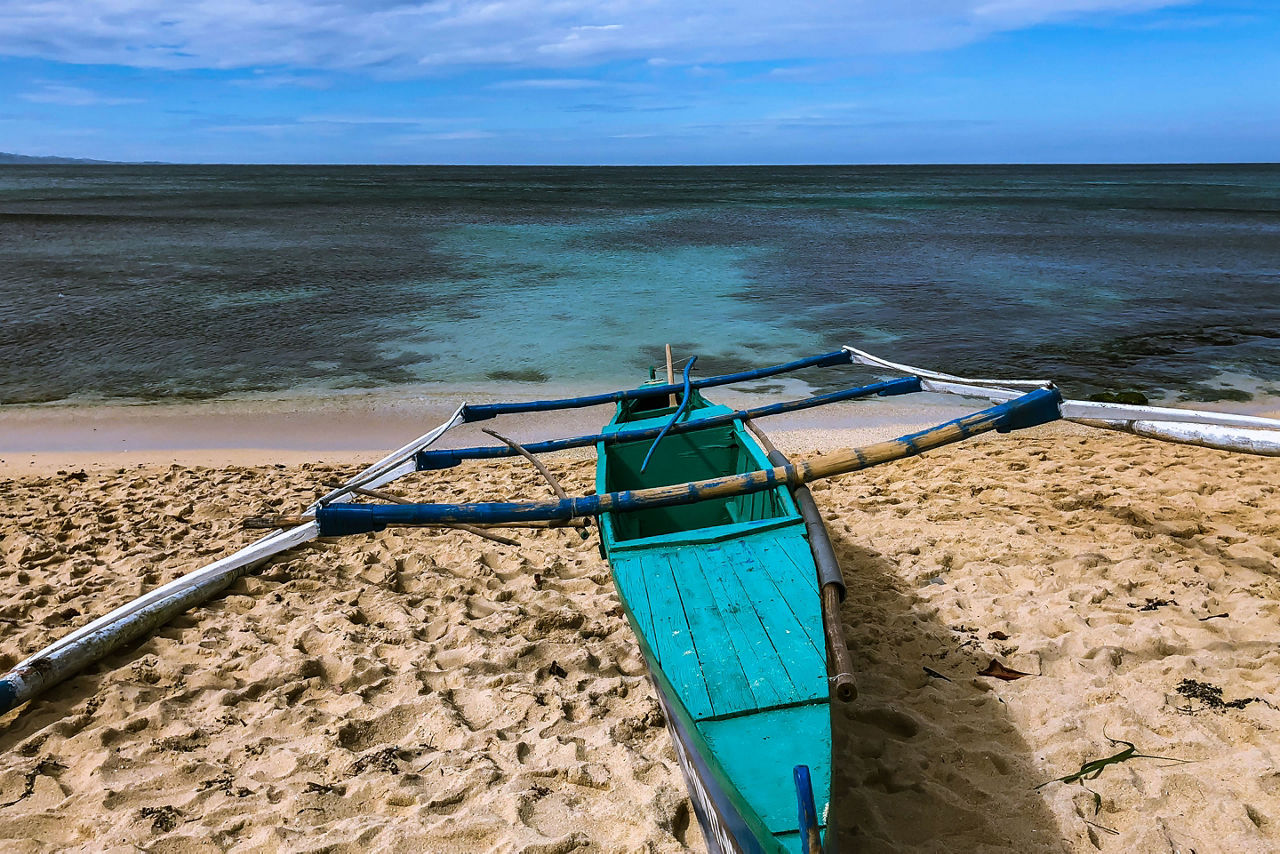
1225	431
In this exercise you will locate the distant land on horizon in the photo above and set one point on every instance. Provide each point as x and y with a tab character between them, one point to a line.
7	157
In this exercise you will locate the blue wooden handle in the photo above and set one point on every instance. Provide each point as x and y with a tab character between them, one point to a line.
810	833
684	404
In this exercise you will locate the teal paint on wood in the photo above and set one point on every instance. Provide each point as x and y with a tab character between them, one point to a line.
780	843
672	638
741	630
790	562
758	752
714	534
785	666
729	621
629	578
723	668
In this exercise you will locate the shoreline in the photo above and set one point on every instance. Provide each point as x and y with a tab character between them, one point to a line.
368	426
364	426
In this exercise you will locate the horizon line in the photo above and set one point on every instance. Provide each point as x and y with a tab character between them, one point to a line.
57	160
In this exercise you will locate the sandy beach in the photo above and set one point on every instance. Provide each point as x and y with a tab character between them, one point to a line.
431	691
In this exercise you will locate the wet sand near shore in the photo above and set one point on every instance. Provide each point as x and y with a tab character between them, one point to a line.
427	690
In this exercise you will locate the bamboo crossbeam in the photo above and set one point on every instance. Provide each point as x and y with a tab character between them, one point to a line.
480	412
1035	407
430	460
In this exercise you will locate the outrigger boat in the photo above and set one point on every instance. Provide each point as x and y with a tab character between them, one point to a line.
719	556
723	598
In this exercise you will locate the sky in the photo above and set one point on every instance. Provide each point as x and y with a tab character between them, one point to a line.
641	81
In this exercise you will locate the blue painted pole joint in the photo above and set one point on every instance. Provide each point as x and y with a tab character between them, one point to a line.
8	696
435	460
1031	410
347	519
904	385
810	832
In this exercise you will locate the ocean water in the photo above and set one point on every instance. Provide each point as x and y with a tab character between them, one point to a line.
185	282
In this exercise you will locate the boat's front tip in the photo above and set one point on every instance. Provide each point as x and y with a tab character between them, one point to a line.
8	696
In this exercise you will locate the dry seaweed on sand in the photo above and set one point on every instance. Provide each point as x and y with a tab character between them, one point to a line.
1210	697
1152	604
1093	768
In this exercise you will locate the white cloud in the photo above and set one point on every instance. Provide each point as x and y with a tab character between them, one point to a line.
73	96
369	120
283	80
338	124
413	36
278	129
550	83
462	134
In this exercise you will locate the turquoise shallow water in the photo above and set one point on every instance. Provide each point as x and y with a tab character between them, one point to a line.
172	283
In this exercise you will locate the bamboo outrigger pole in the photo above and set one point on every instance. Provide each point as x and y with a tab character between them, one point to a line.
1036	407
1223	431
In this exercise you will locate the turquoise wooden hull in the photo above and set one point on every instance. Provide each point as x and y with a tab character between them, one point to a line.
723	598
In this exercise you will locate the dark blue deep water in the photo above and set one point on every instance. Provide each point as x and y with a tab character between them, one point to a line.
180	282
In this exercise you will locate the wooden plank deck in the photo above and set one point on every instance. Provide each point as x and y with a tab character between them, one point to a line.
722	629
